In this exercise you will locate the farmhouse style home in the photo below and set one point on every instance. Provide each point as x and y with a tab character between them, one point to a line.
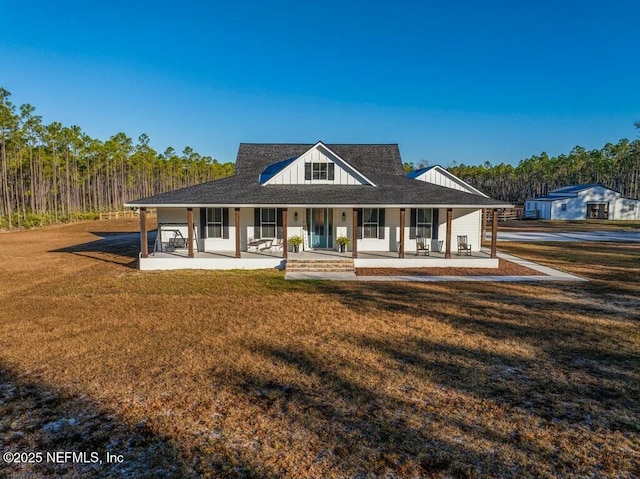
579	202
322	196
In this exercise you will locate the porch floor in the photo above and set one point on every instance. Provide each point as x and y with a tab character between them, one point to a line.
316	254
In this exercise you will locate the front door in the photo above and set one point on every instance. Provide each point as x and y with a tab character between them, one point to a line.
320	227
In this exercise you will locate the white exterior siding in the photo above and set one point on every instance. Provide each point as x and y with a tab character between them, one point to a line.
576	204
343	228
294	173
173	215
543	206
437	176
294	226
545	209
171	219
598	193
627	209
570	212
464	222
391	234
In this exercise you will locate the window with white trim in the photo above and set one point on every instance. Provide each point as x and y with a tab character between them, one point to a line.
268	223
215	224
632	207
563	207
370	222
423	222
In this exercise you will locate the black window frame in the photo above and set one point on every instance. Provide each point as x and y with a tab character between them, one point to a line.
210	223
422	225
268	223
319	171
368	224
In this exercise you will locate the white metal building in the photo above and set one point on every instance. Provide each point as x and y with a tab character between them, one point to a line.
579	202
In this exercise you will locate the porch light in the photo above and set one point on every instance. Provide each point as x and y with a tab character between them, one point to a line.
344	216
295	216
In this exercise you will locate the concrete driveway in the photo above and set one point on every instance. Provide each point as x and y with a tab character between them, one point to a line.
577	236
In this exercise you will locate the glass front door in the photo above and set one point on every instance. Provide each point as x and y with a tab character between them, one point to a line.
320	227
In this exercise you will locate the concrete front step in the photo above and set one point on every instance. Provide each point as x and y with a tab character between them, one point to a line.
321	270
320	265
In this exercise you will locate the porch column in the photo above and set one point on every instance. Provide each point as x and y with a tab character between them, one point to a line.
483	224
237	221
354	234
494	232
284	232
401	249
144	242
190	232
447	251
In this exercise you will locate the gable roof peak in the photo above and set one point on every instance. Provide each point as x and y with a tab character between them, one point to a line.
369	159
271	171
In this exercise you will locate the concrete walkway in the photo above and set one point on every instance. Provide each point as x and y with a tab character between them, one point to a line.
321	276
576	236
550	274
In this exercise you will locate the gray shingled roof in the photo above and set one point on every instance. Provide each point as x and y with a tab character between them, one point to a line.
367	159
380	163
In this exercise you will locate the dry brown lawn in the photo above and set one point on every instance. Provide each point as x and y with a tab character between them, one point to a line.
241	374
505	268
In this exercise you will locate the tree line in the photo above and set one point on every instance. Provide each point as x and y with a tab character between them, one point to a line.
616	166
53	173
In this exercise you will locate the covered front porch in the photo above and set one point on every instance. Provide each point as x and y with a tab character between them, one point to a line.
195	253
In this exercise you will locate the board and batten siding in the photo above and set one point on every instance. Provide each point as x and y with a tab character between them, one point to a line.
294	173
437	178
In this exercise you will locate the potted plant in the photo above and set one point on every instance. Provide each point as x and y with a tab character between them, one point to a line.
295	241
343	242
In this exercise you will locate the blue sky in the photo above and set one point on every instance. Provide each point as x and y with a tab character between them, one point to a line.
450	81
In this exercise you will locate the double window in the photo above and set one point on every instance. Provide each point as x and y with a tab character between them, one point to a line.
268	223
215	225
319	171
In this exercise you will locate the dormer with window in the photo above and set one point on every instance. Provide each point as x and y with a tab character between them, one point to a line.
318	165
319	171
